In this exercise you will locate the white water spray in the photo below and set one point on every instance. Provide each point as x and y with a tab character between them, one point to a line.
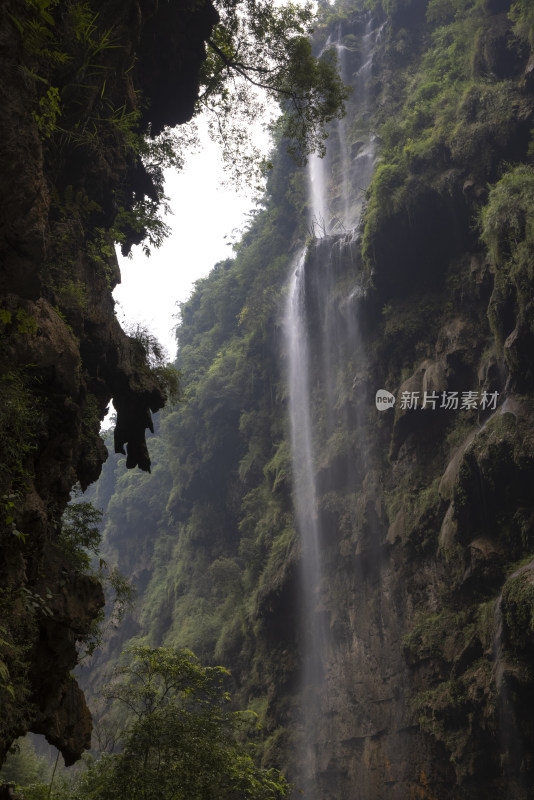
314	305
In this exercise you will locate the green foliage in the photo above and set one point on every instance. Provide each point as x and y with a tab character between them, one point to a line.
385	196
15	637
266	47
23	766
79	537
144	222
183	740
49	111
427	639
507	230
77	110
101	251
423	512
522	15
169	378
153	678
317	97
458	643
19	418
452	112
5	682
36	28
73	293
156	358
154	352
517	608
507	220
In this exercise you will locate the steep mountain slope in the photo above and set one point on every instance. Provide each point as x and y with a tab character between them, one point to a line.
424	598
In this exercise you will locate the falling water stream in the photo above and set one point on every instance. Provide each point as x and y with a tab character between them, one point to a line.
315	326
301	425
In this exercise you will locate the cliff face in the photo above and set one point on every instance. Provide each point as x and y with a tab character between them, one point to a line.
73	75
420	606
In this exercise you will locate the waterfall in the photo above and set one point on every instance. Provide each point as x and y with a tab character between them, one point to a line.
305	499
301	425
356	159
320	334
319	222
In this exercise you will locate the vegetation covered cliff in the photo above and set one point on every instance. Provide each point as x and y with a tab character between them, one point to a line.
73	182
425	599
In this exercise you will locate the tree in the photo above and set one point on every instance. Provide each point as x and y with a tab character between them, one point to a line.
182	741
79	539
23	766
260	45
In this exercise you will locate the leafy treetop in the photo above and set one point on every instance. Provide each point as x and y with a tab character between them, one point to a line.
261	46
184	743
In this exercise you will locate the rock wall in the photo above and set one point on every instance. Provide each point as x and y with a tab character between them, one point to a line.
425	514
426	507
73	75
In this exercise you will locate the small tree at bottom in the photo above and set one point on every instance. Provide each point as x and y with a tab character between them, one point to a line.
184	742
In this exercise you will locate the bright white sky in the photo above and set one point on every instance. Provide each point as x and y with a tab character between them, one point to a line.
204	213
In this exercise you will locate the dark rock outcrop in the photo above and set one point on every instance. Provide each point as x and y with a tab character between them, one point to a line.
65	172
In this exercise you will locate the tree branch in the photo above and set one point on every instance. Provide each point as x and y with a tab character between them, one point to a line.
244	69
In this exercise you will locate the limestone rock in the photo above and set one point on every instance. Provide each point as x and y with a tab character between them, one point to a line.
63	355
